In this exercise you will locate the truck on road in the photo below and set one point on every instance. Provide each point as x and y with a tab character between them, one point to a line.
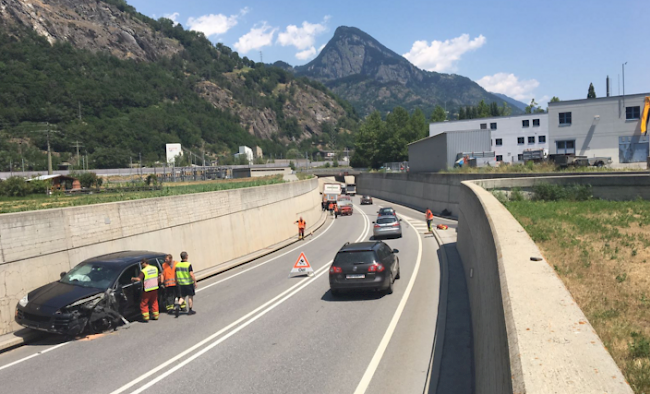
351	190
565	161
331	191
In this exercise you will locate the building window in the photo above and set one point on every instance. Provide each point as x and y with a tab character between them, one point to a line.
493	126
520	157
525	123
499	157
531	140
535	122
499	142
567	147
483	126
565	118
632	113
520	140
541	139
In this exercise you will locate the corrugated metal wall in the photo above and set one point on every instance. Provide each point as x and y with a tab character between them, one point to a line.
466	141
429	154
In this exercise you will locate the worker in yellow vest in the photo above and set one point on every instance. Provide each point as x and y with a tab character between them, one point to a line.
186	281
150	278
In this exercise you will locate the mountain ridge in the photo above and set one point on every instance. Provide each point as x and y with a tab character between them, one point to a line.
371	76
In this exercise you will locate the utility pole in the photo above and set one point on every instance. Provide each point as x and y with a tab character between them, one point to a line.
77	145
80	111
48	130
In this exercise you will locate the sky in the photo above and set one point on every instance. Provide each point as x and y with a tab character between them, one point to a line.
524	50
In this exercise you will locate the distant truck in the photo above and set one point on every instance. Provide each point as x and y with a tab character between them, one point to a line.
536	155
331	191
351	190
564	161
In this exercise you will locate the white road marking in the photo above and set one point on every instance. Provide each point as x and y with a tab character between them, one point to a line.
376	359
33	355
302	245
257	313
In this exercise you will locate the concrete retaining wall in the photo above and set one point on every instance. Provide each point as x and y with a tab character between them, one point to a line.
212	227
529	334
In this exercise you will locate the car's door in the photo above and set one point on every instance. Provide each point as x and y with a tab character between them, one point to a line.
130	302
390	259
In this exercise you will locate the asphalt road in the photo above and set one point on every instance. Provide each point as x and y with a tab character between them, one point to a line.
258	331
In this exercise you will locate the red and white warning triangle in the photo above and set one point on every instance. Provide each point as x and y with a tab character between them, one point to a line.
302	266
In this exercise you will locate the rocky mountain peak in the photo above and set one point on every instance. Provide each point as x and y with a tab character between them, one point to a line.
88	24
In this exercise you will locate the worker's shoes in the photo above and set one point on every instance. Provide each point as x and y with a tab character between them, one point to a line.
191	312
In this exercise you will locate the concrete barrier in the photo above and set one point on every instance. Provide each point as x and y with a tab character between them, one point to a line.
529	334
213	228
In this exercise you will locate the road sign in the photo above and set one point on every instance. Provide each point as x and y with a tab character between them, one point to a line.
302	266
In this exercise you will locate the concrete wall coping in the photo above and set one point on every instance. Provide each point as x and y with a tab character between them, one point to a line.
552	346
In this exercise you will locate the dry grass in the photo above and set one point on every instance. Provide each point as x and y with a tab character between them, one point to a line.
601	250
531	167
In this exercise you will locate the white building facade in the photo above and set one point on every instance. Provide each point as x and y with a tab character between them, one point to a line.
600	127
510	135
246	152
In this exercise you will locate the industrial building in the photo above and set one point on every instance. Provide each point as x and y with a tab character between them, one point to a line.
245	152
601	127
440	152
510	135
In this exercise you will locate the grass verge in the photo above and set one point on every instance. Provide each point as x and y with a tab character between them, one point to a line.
531	167
36	202
601	251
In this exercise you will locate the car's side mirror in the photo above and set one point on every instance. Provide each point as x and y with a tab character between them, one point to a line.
395	251
373	222
400	220
62	274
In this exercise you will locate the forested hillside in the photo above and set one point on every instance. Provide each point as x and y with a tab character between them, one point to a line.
118	107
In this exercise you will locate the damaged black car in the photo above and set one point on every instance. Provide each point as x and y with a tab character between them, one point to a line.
95	296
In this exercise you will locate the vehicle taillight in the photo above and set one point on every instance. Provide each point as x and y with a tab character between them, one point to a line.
336	270
376	267
377	226
395	224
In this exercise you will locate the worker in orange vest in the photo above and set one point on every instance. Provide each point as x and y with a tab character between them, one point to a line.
331	208
170	292
429	216
336	211
301	228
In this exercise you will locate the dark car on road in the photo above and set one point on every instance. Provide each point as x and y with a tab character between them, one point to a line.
366	200
364	266
386	211
92	295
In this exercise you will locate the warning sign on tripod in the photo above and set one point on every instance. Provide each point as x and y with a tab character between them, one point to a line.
302	267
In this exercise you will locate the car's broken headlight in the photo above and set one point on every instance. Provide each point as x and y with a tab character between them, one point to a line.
85	303
23	301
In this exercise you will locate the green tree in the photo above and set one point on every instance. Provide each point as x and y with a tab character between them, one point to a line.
555	99
494	109
505	110
592	92
462	114
438	114
393	144
366	146
483	110
533	108
418	125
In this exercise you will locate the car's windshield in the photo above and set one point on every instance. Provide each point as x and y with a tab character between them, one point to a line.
95	275
386	220
343	258
386	211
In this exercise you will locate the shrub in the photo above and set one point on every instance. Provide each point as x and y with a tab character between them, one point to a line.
639	347
39	187
87	179
292	165
335	164
516	194
327	165
14	187
152	180
549	192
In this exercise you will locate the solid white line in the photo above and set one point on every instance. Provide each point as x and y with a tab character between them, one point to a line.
288	294
302	245
376	359
33	355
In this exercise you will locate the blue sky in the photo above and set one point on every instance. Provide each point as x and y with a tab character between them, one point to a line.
524	50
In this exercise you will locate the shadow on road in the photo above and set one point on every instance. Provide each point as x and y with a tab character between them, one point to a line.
456	358
353	296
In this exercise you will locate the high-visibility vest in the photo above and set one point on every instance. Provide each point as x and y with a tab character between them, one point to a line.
336	208
169	274
150	278
429	215
301	224
183	277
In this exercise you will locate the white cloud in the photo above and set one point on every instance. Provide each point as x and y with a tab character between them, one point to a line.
303	38
511	85
258	37
215	24
172	17
442	55
306	54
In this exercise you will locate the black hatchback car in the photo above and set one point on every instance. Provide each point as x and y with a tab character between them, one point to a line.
70	305
366	200
364	265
